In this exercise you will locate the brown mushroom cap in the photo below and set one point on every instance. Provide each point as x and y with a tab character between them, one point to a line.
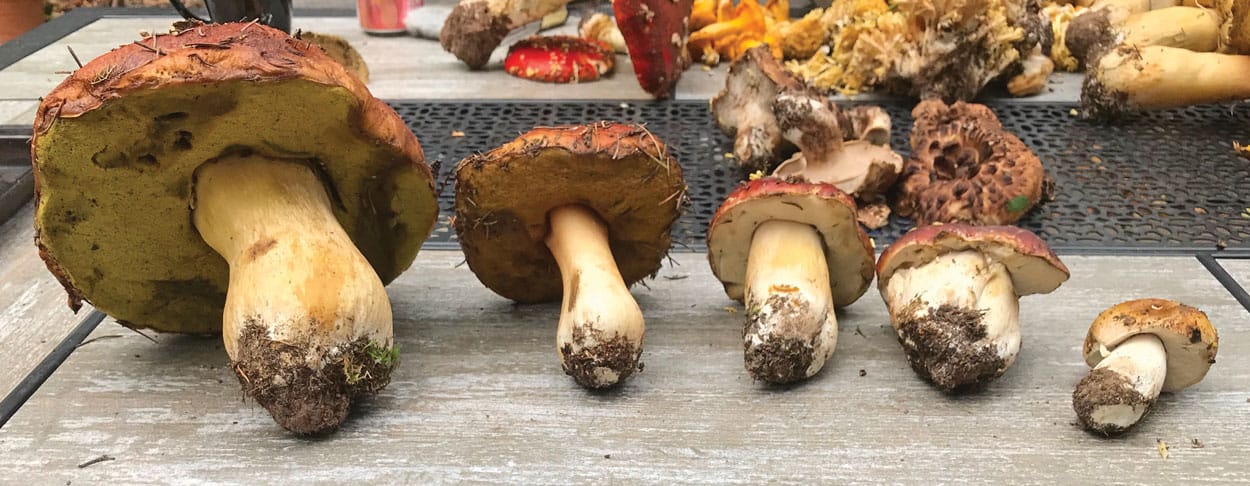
1187	335
1034	268
831	212
621	171
116	146
966	168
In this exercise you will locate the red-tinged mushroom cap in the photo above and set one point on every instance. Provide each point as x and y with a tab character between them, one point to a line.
1034	268
830	211
621	172
656	32
559	59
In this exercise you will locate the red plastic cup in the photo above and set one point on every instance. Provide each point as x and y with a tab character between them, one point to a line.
384	16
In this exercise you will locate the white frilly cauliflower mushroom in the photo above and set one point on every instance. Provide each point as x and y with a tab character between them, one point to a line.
953	294
792	252
1137	349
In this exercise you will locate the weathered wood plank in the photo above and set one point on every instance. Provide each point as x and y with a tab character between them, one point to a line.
480	398
14	112
33	315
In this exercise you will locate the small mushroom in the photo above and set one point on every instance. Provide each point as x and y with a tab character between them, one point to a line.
860	168
966	168
579	212
474	28
744	109
230	178
559	59
656	33
953	295
1137	349
602	27
791	252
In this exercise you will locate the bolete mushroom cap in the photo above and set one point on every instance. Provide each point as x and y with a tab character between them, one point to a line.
965	168
1187	335
830	211
620	171
559	59
1034	268
117	144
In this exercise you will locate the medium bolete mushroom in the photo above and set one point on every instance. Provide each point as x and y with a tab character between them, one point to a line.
229	178
474	28
744	109
790	251
1137	349
1128	79
953	295
1191	28
966	168
579	212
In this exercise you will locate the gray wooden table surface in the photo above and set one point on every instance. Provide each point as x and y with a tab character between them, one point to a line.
480	398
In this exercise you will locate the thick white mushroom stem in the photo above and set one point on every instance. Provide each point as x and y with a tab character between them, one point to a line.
791	327
601	326
307	323
1149	78
957	317
1123	386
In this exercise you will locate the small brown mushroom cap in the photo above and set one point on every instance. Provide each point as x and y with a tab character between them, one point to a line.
116	146
620	171
1187	335
965	168
831	212
753	83
1034	268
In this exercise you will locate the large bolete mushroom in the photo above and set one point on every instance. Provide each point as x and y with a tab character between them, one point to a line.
791	251
965	167
579	212
1137	349
953	295
229	178
744	108
1128	79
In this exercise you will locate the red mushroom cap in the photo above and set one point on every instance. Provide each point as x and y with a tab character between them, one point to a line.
559	59
830	211
656	32
1035	269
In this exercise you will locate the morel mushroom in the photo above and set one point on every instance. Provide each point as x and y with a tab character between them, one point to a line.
559	59
656	32
966	168
860	168
1137	349
1129	79
545	216
476	27
953	295
791	252
230	178
744	109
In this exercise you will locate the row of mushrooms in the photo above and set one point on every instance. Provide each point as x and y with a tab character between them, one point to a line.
166	199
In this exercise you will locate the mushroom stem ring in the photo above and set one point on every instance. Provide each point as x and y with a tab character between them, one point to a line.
601	326
791	327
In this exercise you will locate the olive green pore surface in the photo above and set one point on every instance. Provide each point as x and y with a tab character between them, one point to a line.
116	190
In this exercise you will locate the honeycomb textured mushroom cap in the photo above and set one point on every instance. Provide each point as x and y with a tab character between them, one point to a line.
1188	337
621	171
1034	268
117	144
830	211
965	168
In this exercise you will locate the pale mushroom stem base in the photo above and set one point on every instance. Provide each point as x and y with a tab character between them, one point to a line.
791	328
601	326
1120	390
307	323
957	318
1151	78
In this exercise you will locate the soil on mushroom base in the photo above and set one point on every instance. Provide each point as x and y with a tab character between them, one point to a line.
594	351
944	347
784	357
302	399
1104	387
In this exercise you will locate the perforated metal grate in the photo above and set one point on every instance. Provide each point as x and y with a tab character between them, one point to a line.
1167	181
